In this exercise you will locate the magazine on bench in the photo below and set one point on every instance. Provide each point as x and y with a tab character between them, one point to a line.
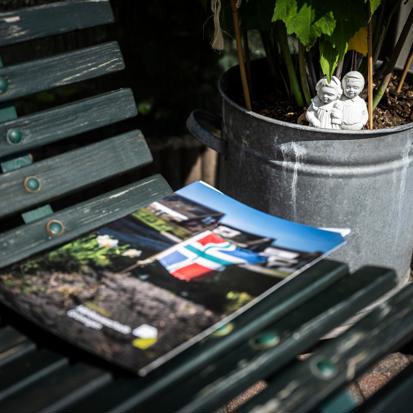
145	287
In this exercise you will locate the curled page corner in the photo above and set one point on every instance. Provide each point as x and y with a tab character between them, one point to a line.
342	231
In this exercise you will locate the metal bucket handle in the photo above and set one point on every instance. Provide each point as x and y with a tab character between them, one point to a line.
206	127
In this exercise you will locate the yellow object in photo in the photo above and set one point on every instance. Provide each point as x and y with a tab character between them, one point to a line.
359	41
143	343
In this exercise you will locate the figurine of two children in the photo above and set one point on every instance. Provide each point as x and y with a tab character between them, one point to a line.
339	106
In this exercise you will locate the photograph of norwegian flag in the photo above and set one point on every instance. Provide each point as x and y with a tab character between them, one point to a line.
204	253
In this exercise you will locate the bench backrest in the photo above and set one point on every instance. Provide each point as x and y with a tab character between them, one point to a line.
30	180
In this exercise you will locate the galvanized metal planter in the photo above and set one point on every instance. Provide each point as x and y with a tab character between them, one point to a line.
362	180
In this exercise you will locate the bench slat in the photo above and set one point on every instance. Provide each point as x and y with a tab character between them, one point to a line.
344	359
53	392
64	69
40	21
9	337
72	170
28	239
15	352
28	369
68	120
297	332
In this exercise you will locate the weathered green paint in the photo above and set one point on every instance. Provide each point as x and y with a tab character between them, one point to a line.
308	322
16	163
28	239
4	84
68	120
58	17
73	170
60	175
353	352
6	112
36	214
343	402
64	69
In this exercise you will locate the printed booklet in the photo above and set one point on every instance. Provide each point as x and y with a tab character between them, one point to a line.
145	287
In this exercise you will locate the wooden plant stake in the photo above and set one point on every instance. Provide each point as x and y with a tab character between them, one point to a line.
370	74
405	70
240	52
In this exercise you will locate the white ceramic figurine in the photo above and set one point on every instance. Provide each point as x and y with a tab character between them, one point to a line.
355	113
326	109
339	108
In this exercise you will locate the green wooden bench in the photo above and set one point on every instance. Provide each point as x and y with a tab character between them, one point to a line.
49	201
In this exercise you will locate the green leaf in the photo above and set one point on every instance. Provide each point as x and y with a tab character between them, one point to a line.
374	4
332	22
307	19
329	58
326	24
284	10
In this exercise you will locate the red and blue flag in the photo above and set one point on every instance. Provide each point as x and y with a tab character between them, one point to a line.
204	253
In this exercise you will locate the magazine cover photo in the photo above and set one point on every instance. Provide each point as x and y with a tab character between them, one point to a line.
143	288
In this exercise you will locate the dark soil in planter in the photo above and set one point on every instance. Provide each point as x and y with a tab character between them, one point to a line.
393	110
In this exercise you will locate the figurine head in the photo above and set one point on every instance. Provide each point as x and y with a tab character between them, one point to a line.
328	91
353	84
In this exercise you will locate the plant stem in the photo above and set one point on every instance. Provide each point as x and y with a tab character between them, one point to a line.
381	90
370	73
339	69
409	61
303	74
282	38
244	82
392	63
247	58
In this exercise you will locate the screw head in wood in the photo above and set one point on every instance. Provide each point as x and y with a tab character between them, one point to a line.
323	368
4	84
14	136
32	184
55	228
266	339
